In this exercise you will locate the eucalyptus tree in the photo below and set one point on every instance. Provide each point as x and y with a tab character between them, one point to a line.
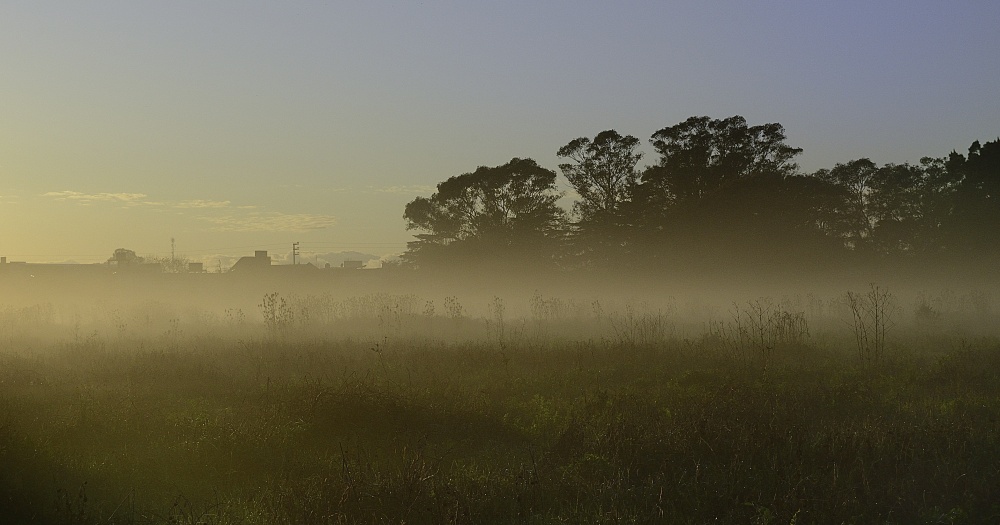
602	171
604	176
975	219
718	191
893	209
701	155
488	216
854	217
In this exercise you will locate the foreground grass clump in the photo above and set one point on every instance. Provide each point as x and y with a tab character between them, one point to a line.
218	431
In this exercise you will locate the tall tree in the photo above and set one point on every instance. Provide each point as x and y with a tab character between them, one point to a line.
700	155
902	206
893	209
493	214
125	257
603	173
854	216
975	218
716	191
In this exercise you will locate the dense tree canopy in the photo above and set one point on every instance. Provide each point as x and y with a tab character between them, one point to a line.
888	209
604	175
504	212
701	155
975	220
125	257
717	193
603	172
720	193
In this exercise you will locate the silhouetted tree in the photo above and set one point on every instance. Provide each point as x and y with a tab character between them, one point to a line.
124	257
938	204
768	222
722	195
492	215
603	173
974	223
903	204
700	155
854	214
894	209
718	192
170	264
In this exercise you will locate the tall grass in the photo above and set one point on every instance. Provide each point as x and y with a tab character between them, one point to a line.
575	414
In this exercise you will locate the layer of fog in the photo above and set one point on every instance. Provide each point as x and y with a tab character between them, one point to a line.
129	311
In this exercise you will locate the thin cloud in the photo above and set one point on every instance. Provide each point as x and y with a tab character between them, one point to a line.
271	222
86	198
202	203
241	218
413	189
135	199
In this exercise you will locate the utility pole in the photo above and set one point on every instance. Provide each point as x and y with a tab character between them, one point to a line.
172	252
295	252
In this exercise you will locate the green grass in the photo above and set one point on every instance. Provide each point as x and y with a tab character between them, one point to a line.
218	429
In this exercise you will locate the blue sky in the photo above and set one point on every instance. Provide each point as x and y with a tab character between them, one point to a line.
230	125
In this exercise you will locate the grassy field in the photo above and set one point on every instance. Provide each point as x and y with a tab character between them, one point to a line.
397	412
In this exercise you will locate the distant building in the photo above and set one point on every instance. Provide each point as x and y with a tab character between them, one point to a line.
259	261
196	267
352	265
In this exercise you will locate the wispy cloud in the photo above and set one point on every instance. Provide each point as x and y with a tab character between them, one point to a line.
222	214
87	198
413	189
202	203
135	199
271	222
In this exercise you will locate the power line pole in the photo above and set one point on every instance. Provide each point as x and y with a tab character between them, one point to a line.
295	252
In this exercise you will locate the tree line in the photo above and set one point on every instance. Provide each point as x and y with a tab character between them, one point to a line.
719	194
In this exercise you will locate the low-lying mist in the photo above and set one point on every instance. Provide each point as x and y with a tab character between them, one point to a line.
522	311
402	397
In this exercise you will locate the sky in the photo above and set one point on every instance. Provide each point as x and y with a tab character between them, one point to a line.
230	126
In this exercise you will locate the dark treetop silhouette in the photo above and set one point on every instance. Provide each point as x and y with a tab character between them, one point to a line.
720	195
505	213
